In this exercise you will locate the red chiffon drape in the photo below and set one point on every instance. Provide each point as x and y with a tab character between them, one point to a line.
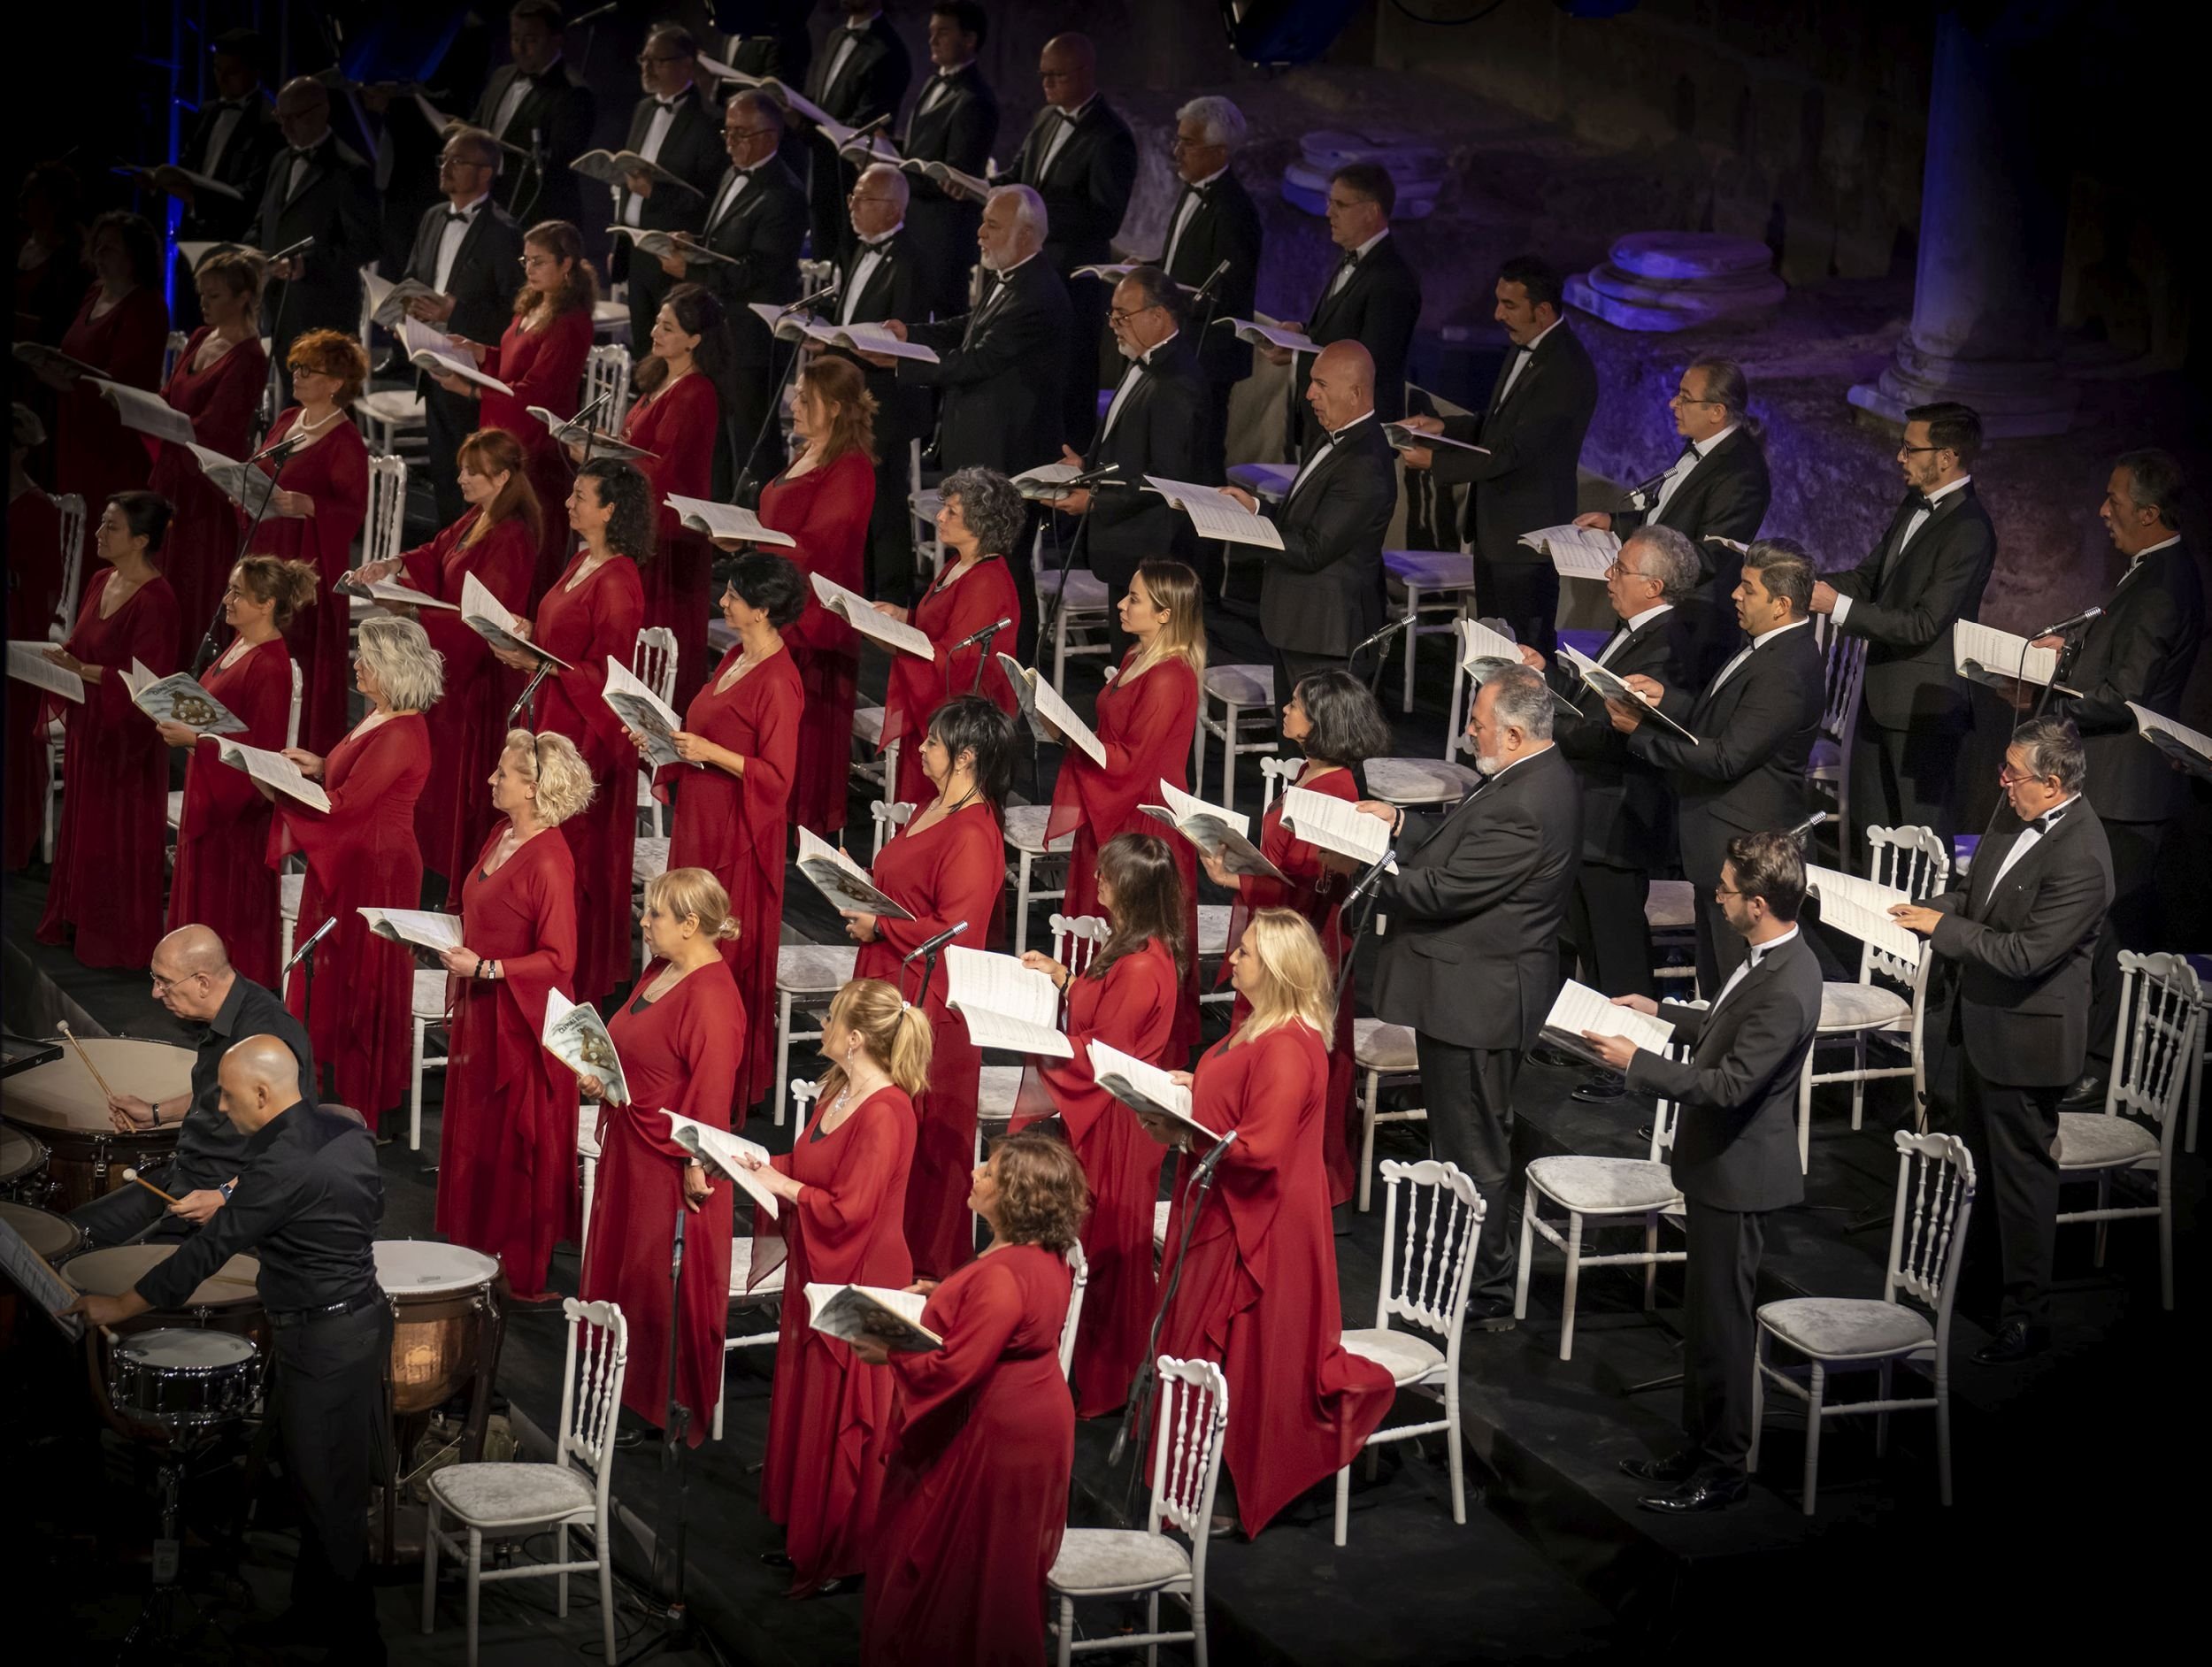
981	1450
680	426
361	854
203	540
735	828
333	471
223	878
546	369
507	1142
94	454
959	604
34	595
826	510
679	1054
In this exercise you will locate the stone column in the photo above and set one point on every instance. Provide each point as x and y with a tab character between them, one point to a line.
1993	230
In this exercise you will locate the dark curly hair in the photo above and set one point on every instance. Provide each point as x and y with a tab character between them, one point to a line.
991	506
773	585
969	724
1042	1197
623	488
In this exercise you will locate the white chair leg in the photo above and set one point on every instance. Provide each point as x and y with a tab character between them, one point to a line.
1858	1082
1574	1282
1021	904
1343	1501
606	1585
414	1089
1758	1403
1413	613
1805	1112
560	1580
1943	1430
1197	1627
1651	1262
2196	1092
1812	1435
1152	1625
476	1586
1456	1457
1367	1142
783	1051
430	1570
1198	751
1528	1249
1228	755
1066	1629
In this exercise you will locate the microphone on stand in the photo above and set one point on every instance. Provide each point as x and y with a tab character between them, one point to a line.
1372	879
300	248
313	938
1383	636
983	635
1634	497
592	16
1807	826
804	302
1204	292
1206	1163
2073	622
935	943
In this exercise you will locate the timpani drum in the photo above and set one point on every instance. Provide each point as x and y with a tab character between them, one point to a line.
60	1104
22	1167
226	1301
443	1302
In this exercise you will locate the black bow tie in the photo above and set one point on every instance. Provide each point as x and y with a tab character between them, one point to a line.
859	31
241	104
2049	820
303	153
670	104
1350	260
456	216
1689	450
1920	501
1520	347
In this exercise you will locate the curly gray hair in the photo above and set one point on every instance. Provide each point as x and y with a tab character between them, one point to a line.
409	670
991	506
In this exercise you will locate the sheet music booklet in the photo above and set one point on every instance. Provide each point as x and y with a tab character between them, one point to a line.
1042	705
1580	1007
1861	908
1577	552
180	699
421	928
857	611
614	167
1005	1003
1335	826
1982	654
1146	1088
2183	745
577	1036
485	615
566	431
720	1149
875	1312
1611	685
1214	514
28	664
1222	834
274	768
242	483
433	350
641	709
1404	439
1260	334
842	881
147	413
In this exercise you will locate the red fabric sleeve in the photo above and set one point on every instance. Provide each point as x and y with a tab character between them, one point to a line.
619	611
841	1217
555	374
142	336
830	536
1151	742
764	790
985	596
262	700
423	566
152	641
709	1037
330	839
975	1312
502	561
681	428
970	873
226	422
549	886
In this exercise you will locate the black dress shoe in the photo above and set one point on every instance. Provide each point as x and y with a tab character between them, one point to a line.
1698	1493
1558	1059
1600	1087
837	1586
2017	1341
1491	1314
777	1559
2086	1094
1668	1468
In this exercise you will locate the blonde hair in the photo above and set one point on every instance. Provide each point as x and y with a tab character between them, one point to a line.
551	764
413	673
896	1036
693	894
1299	984
1175	589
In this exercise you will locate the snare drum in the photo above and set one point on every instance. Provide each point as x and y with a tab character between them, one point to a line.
177	1379
61	1105
22	1167
226	1301
441	1304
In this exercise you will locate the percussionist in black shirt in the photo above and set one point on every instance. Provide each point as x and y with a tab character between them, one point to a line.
193	979
307	1202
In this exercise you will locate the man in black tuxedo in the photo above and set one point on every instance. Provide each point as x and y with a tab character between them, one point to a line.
954	121
883	278
782	49
316	187
2142	650
1081	158
1371	298
1756	725
676	127
1151	427
230	140
859	77
538	105
1718	489
468	250
1471	958
2023	929
1929	569
1213	221
998	367
1734	1158
1530	435
1322	595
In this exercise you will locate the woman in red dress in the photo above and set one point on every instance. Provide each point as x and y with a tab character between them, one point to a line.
542	358
1332	717
591	617
1127	998
495	542
823	502
843	1191
223	878
34	599
679	1039
507	1140
361	853
981	1442
738	743
218	383
1258	1292
316	511
1146	717
115	771
947	865
980	521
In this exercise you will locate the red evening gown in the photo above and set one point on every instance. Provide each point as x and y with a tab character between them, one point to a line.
586	627
1259	1288
736	828
507	1141
196	559
115	785
333	471
546	369
361	854
34	595
679	1054
953	869
223	878
1133	1007
952	610
1145	724
94	454
981	1446
822	1472
1317	892
469	724
679	425
827	510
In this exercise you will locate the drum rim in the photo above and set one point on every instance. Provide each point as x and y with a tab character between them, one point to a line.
250	1300
130	1347
457	1286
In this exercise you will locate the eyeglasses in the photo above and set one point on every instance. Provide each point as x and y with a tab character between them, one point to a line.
1722	891
1180	143
1683	396
751	132
646	59
856	197
2008	777
1906	451
162	986
1117	316
1617	570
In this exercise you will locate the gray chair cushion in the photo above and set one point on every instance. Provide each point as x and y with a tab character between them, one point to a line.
1114	1560
512	1495
1026	829
1847	1328
1594	1186
1241	685
1855	1006
1407	1355
2092	1139
815	968
1377	1046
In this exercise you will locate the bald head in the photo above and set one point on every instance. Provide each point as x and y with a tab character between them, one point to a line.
1341	387
192	973
302	110
259	1079
1068	70
879	199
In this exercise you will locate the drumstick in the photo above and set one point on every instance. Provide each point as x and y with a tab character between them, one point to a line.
106	1091
133	1175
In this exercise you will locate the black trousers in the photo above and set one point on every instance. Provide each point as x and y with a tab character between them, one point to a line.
1720	1334
1902	777
1524	595
1469	1094
1605	920
130	1212
2132	923
327	1397
448	419
2013	1132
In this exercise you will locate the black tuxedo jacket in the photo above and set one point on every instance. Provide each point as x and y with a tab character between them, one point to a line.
1323	591
1476	908
219	219
1902	603
484	278
1156	431
958	130
1745	771
784	52
758	234
1086	189
2023	945
894	290
1377	307
1725	496
1224	226
1532	441
999	372
692	151
870	80
553	124
1735	1132
2143	651
1627	807
336	205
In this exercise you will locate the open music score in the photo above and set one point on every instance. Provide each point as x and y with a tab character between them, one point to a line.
1335	826
724	1151
847	886
1577	552
857	611
577	1036
1004	1003
1214	514
1861	908
1222	834
1580	1008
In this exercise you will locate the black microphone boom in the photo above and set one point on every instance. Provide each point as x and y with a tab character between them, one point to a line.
983	635
935	943
313	938
300	248
2072	622
1807	826
1204	292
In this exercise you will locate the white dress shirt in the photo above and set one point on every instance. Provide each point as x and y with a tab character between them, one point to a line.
871	257
1630	625
1912	527
452	235
1128	382
1751	648
1344	272
1743	969
2030	836
849	35
940	84
300	165
1321	451
1521	359
1068	118
649	148
510	101
1189	207
1694	454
